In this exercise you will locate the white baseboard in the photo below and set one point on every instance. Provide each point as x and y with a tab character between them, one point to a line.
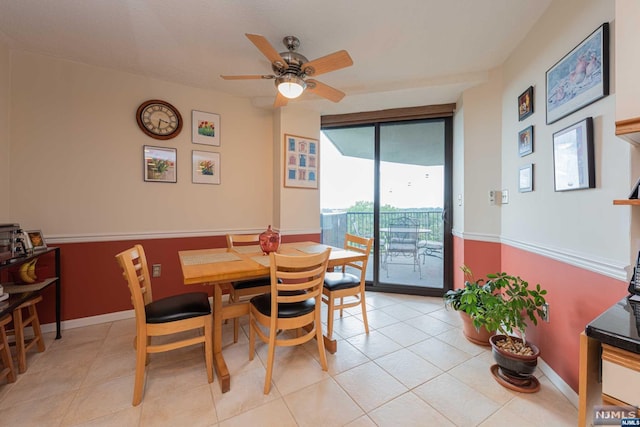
89	321
557	381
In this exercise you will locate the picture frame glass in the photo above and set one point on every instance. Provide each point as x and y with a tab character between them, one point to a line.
525	179
301	162
205	128
160	164
580	78
573	163
525	141
205	167
36	240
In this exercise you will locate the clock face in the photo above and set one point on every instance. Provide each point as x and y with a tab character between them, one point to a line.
159	119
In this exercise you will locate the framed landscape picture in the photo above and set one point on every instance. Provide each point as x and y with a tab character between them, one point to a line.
301	162
580	78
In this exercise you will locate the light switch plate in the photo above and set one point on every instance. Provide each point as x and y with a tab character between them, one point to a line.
505	196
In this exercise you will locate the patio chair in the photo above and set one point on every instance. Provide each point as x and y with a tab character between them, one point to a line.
402	244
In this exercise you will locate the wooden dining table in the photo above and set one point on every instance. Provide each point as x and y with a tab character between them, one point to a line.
221	266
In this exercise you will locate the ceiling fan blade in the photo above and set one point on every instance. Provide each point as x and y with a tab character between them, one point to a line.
249	77
325	91
267	50
280	101
333	61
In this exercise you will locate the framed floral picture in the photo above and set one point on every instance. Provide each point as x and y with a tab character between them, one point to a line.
205	167
160	164
301	162
205	128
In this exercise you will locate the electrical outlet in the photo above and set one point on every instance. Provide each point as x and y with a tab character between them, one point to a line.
155	270
505	196
459	199
545	311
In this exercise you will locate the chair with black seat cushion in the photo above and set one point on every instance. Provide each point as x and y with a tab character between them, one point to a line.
245	288
293	303
342	284
166	316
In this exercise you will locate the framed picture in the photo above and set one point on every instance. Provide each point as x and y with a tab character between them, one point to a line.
159	164
36	240
205	167
205	128
573	166
301	162
525	104
525	141
525	178
580	78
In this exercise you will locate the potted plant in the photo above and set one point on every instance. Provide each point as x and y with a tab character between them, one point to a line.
471	302
507	311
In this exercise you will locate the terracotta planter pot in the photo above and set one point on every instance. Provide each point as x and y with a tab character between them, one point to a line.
515	371
472	334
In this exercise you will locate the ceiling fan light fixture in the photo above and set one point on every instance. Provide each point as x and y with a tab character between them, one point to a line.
290	86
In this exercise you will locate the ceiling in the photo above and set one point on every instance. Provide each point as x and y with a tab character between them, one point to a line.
425	53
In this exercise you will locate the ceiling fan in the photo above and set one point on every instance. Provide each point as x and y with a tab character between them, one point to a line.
292	70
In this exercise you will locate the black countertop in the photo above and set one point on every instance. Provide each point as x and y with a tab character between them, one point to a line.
619	326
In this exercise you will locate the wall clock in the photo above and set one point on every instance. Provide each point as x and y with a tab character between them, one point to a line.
159	119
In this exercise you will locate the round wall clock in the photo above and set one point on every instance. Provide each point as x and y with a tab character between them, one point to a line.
159	119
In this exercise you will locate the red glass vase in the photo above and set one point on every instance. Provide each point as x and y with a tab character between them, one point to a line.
269	241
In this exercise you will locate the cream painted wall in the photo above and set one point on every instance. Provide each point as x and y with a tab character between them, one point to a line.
583	223
298	208
482	147
627	60
5	86
76	155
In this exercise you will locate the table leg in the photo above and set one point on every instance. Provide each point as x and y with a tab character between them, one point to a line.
218	359
330	345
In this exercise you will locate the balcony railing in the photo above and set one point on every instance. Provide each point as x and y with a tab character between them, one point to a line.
336	224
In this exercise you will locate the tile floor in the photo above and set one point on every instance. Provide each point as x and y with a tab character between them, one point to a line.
414	369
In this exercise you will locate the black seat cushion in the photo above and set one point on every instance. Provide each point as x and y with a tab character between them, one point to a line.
334	281
254	283
178	307
289	310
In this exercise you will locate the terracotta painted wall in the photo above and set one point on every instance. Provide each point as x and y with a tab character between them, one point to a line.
92	282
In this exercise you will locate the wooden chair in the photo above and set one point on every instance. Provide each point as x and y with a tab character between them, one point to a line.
20	322
245	288
341	284
166	316
5	352
294	303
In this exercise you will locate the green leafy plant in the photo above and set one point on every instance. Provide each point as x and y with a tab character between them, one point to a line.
504	303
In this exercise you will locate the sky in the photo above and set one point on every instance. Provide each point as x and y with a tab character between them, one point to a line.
346	180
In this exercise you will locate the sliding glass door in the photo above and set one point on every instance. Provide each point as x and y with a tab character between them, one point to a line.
391	181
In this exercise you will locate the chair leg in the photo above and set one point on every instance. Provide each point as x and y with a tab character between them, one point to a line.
320	340
330	308
35	324
341	305
8	370
141	359
208	347
252	338
236	321
271	356
364	312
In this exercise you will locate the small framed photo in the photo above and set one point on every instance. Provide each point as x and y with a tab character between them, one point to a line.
205	167
525	104
525	178
160	164
36	240
573	162
525	141
205	128
301	162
